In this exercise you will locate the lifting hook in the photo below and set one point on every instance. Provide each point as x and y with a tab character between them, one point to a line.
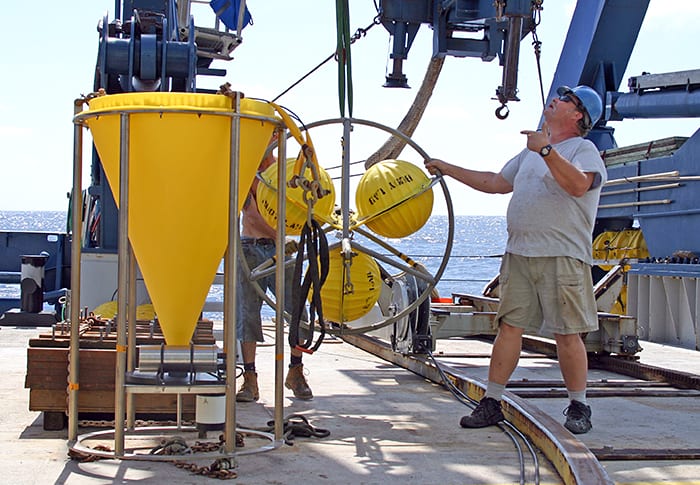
500	114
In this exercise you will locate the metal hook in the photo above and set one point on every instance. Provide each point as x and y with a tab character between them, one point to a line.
499	112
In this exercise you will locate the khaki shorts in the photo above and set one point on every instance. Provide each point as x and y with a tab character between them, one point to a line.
547	295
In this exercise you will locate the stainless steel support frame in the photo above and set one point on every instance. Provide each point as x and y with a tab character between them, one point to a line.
77	225
124	411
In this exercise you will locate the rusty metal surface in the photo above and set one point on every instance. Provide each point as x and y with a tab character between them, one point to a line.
633	368
638	454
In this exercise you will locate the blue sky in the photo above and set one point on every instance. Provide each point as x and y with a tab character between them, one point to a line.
50	52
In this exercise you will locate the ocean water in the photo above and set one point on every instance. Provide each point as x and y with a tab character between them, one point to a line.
474	260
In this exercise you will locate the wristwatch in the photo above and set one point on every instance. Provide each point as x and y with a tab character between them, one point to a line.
545	150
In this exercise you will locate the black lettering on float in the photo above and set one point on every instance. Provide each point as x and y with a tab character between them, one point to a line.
404	179
375	197
370	280
400	180
266	207
294	225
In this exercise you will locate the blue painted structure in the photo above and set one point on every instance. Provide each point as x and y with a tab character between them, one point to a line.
667	227
16	244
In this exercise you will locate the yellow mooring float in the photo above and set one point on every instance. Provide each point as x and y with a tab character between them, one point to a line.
394	198
296	208
350	291
179	168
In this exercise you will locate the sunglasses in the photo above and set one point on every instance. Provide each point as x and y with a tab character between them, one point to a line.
568	98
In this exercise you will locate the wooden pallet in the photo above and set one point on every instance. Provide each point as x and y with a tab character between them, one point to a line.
47	375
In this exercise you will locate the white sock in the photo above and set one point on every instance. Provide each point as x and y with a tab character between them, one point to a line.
494	390
579	396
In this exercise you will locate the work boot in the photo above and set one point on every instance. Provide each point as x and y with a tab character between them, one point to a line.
486	413
297	383
578	418
249	390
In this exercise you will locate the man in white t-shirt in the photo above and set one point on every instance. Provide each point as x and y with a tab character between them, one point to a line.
545	276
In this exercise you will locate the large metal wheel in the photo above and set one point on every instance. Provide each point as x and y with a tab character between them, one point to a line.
409	276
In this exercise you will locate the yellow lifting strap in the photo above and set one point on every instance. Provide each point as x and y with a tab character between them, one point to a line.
307	146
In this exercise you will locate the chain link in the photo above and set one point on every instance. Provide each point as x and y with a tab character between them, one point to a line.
221	468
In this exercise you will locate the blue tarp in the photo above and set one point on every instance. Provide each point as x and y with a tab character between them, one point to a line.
227	11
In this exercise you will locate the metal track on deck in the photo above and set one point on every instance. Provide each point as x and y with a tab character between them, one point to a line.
573	461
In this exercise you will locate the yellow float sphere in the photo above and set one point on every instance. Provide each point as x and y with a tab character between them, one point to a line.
341	305
295	215
386	196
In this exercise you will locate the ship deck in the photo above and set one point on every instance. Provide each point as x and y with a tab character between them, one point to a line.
385	423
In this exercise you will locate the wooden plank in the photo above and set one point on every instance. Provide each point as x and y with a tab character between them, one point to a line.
96	337
103	402
47	371
47	368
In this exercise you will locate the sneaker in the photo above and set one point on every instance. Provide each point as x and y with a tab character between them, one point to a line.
578	418
486	413
297	383
249	389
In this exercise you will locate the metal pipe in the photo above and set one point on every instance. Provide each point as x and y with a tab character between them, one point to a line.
179	410
633	204
230	278
280	289
131	336
658	104
122	285
641	189
183	12
345	174
228	351
642	178
509	81
76	225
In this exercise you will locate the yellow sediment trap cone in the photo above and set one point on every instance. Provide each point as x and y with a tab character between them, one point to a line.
393	198
179	168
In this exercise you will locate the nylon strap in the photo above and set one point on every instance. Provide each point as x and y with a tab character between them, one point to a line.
307	147
342	18
314	244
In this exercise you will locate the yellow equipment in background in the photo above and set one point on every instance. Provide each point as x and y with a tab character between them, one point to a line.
615	246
